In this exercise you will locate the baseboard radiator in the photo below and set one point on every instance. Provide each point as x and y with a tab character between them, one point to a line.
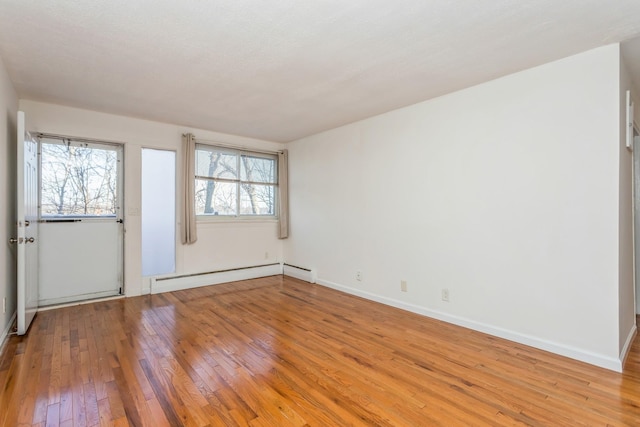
187	281
306	274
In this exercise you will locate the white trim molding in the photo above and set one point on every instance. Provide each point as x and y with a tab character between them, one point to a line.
553	347
627	345
5	334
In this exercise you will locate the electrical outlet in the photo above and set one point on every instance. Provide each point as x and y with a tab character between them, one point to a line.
359	276
445	295
403	285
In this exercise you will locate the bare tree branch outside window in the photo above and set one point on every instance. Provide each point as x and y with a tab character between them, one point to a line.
78	180
234	183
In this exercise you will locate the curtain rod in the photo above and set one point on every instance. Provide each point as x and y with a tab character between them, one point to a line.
75	138
235	147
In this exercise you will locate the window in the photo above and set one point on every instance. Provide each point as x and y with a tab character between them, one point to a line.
235	183
79	179
158	212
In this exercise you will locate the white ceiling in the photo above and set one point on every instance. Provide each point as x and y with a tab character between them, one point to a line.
283	69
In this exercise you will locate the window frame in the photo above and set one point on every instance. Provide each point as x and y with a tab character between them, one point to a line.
238	153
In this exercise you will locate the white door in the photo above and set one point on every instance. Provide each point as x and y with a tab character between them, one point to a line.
27	226
636	215
81	229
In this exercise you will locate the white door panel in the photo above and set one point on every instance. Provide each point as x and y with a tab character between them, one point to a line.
79	260
27	226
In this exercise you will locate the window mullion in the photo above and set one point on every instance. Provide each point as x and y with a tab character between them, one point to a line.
211	178
238	185
257	183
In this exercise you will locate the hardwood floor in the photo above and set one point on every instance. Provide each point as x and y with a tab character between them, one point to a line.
281	352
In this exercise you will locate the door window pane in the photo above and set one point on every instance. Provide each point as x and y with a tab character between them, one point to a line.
78	179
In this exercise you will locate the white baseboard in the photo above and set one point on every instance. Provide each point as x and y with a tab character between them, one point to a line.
560	349
178	283
627	345
5	333
306	274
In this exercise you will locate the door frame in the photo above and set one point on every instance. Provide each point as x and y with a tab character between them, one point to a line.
635	144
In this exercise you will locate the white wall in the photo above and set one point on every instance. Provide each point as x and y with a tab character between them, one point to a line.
8	109
219	245
632	82
506	194
626	300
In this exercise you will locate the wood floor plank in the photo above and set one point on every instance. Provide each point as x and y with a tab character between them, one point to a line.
53	415
91	404
104	411
281	352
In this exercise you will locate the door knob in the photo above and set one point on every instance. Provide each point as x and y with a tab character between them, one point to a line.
13	240
30	240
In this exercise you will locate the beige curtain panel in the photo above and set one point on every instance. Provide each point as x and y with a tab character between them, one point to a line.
283	188
189	232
